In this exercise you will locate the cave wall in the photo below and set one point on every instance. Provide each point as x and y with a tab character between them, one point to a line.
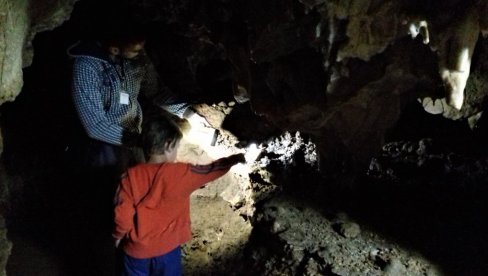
15	25
20	21
340	71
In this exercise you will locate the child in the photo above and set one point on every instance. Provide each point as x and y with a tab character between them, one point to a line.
152	208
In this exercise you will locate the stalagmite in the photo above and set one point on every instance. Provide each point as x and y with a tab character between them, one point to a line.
455	57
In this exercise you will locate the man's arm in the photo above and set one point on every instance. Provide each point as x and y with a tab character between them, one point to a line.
89	104
161	96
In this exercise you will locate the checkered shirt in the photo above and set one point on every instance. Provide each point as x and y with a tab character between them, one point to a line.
105	96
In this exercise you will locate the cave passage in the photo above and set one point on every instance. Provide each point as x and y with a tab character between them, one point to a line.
310	203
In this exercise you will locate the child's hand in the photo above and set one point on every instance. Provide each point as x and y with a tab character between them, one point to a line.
238	158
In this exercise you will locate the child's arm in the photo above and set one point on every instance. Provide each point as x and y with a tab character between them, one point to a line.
124	210
199	175
220	164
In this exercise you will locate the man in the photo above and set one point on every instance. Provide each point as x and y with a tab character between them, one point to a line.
107	78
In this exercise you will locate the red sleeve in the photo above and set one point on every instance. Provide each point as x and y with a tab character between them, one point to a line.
192	177
124	209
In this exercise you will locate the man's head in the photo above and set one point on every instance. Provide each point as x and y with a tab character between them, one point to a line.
124	40
128	51
160	136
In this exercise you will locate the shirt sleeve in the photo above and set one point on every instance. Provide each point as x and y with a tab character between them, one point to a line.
124	209
159	94
88	101
195	176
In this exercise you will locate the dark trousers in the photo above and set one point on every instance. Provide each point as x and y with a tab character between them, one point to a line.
103	155
89	156
96	168
168	264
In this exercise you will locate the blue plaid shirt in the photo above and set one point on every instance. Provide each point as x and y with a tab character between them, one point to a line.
105	93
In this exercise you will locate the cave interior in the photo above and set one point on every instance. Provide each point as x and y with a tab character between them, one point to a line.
361	172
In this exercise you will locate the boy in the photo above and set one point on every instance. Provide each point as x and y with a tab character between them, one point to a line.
152	211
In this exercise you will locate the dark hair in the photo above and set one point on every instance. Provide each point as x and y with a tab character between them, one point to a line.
159	133
122	33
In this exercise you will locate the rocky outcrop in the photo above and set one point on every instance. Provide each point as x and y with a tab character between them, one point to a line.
342	71
20	22
15	22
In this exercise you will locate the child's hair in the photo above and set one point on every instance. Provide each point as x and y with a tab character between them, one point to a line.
159	133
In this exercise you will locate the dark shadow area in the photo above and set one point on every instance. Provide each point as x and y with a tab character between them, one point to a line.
456	136
432	216
445	224
249	127
63	212
436	209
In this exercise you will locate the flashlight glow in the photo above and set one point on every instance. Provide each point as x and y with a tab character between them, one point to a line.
194	120
202	135
252	153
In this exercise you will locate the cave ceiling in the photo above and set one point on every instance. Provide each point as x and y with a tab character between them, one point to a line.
340	71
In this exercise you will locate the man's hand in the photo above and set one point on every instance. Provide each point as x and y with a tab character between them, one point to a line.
197	120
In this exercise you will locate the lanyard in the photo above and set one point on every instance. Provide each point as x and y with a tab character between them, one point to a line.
121	75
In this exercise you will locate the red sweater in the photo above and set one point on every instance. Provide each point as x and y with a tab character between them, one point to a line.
152	208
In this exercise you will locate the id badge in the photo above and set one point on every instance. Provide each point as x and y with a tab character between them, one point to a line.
124	98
